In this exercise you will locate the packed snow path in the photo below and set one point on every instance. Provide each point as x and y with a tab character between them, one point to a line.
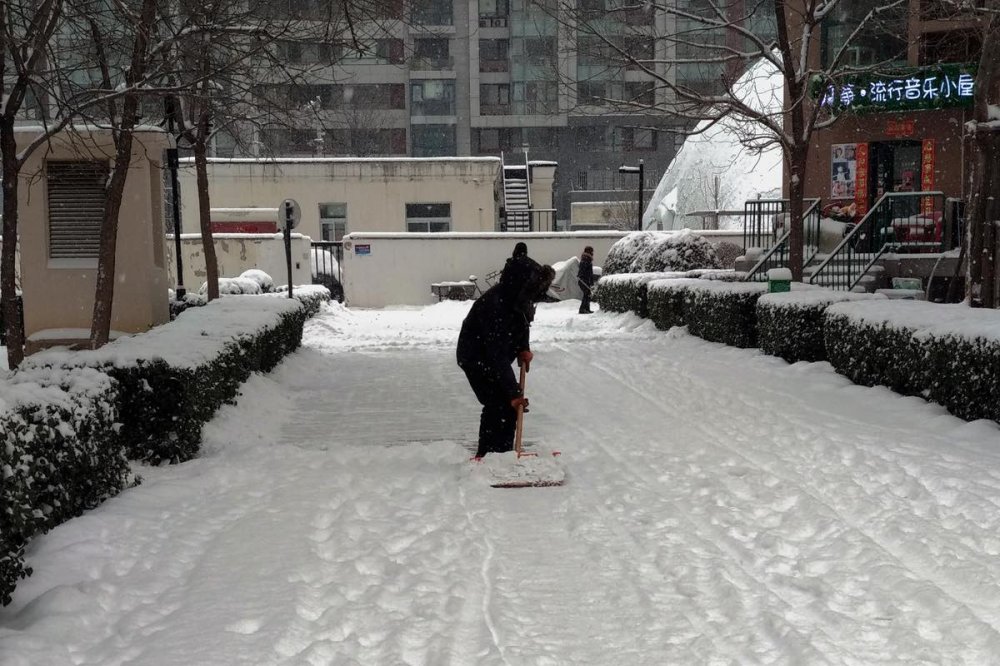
722	507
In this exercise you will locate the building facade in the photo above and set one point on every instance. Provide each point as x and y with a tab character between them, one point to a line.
492	77
902	123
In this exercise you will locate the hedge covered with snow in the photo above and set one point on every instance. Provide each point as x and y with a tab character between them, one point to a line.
70	420
660	251
790	324
62	455
949	354
627	292
667	301
173	378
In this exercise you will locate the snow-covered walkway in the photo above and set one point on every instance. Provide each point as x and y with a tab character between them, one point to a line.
722	507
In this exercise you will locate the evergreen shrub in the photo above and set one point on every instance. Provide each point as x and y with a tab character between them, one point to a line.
790	324
62	454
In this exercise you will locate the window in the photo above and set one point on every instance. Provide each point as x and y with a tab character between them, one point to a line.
540	49
432	98
493	55
640	93
432	12
953	46
433	140
591	93
372	51
424	217
333	221
494	99
538	97
431	54
76	194
492	141
881	40
633	139
591	138
289	142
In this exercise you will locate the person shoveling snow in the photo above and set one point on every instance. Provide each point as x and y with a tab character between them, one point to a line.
494	334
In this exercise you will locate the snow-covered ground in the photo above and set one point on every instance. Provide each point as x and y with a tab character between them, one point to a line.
722	507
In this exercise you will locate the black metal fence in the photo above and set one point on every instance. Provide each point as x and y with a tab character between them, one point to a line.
326	258
535	219
760	222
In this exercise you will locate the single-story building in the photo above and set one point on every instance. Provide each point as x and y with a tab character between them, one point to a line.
340	195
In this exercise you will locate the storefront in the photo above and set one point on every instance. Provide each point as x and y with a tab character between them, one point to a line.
901	133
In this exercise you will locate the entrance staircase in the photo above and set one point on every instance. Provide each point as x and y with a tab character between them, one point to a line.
899	222
517	198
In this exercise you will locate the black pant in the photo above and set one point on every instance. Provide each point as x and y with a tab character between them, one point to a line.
498	420
585	302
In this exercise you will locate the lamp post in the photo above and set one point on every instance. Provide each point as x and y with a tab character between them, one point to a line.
172	164
638	170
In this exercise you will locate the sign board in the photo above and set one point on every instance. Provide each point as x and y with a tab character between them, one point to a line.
290	213
939	87
362	249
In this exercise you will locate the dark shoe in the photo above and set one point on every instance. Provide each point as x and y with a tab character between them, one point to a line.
586	312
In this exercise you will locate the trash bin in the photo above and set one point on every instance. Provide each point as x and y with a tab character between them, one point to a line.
779	280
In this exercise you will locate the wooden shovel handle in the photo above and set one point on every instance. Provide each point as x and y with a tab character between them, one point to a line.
520	416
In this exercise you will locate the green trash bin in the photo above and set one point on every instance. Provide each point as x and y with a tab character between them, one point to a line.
779	280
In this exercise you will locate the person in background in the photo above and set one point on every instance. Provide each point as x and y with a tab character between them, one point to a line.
494	334
585	277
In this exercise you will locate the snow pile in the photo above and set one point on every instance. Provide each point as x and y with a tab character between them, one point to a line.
650	252
263	280
722	165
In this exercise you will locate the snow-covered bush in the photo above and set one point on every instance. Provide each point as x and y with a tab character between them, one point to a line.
724	311
263	280
946	353
657	252
727	253
667	302
61	455
312	296
173	378
681	251
624	255
237	286
627	292
790	324
874	351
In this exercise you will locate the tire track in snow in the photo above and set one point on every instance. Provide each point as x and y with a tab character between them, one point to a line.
917	570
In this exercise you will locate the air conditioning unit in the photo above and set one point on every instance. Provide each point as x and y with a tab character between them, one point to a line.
500	23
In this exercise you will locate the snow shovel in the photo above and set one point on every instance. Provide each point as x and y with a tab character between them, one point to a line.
529	470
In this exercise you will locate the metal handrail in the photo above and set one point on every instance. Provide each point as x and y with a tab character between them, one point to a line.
782	241
862	226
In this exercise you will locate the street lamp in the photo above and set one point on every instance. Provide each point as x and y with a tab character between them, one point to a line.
172	164
638	170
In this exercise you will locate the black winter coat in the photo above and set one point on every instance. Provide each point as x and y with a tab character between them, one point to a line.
585	273
498	325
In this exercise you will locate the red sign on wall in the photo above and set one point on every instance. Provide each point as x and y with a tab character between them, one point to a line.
898	128
244	227
861	179
927	174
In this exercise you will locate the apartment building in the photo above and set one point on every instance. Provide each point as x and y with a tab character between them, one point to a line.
489	78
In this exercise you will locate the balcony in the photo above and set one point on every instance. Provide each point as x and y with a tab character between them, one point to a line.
433	107
432	63
495	109
494	66
490	21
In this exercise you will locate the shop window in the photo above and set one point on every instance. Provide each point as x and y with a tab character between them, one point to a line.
428	217
333	221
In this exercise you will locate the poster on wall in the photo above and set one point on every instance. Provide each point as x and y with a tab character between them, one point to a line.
927	174
843	170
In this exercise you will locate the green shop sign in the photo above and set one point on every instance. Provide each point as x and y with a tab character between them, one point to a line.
940	87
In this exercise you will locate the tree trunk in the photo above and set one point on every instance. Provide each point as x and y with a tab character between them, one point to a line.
984	176
205	218
796	210
13	329
104	292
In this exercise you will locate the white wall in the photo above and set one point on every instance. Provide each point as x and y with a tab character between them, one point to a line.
240	252
400	268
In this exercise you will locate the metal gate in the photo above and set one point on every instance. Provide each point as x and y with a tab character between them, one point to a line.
327	259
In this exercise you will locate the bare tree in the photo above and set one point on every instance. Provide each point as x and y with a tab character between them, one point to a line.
720	40
983	135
